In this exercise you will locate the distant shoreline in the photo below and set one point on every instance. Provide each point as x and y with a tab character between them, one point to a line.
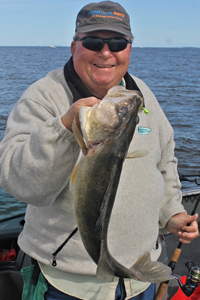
140	47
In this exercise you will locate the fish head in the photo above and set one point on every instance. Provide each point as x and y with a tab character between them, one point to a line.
110	116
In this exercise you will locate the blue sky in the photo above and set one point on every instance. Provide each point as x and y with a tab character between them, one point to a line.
155	23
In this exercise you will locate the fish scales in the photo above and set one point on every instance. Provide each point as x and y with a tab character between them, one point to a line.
89	202
108	129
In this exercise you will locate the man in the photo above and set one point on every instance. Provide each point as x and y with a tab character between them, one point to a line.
39	152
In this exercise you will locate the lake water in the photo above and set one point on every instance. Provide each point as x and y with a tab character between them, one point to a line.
173	74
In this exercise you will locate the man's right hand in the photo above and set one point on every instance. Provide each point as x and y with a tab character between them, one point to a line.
73	111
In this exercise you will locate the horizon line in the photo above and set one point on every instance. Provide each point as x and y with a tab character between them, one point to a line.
59	46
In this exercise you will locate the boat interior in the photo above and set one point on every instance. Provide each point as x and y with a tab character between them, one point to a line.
11	281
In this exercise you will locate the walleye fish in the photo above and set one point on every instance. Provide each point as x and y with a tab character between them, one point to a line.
107	129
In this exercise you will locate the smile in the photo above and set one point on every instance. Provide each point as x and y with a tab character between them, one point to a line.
102	66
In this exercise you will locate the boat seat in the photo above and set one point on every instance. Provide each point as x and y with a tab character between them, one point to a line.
11	279
11	285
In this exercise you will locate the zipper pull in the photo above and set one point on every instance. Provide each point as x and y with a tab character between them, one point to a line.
54	263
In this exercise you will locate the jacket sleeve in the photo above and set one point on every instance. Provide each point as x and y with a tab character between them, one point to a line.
37	154
171	202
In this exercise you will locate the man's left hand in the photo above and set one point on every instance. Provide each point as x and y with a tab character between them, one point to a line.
178	226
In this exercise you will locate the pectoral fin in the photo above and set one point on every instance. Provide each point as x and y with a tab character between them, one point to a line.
73	179
137	153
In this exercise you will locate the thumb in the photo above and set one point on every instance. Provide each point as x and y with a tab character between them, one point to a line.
191	219
194	217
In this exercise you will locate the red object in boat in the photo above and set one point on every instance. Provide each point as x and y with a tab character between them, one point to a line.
181	296
7	255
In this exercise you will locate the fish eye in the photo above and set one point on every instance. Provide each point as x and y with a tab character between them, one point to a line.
122	110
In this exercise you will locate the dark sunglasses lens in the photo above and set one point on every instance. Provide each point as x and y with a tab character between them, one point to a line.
93	44
116	45
97	44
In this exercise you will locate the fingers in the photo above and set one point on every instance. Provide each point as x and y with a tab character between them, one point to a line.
90	101
193	225
188	233
187	238
178	226
73	111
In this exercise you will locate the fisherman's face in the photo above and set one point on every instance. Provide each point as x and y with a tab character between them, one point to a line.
100	70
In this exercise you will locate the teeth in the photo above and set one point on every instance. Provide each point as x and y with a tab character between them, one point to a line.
100	66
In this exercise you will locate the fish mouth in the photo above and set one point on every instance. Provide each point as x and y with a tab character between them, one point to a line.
91	148
104	66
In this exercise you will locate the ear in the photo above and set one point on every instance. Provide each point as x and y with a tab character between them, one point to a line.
73	48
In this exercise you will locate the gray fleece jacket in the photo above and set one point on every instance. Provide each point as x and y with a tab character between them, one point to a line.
37	157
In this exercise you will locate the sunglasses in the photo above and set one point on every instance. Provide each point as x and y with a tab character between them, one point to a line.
95	43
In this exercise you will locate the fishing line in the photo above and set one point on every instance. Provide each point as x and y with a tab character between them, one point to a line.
179	67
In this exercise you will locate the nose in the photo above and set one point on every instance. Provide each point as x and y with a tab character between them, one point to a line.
105	52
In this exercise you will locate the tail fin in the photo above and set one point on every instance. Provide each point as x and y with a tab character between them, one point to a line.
151	271
143	270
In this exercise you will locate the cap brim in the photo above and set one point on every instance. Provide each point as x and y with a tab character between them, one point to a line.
89	28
